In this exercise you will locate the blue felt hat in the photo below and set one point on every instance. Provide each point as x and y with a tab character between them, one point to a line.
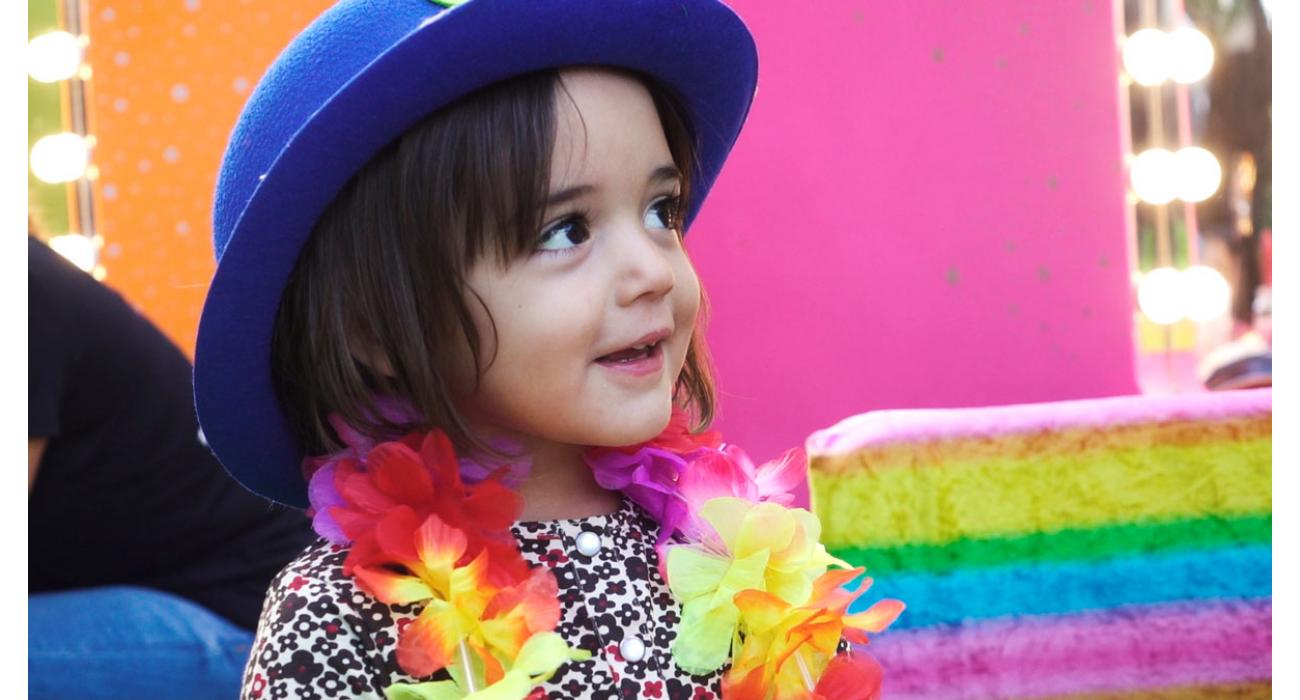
359	76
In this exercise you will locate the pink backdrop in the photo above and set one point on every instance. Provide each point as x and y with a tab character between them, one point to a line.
926	208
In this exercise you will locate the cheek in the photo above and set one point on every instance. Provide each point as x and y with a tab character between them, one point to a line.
544	352
686	307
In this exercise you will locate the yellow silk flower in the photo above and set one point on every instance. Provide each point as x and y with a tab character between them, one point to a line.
754	546
538	659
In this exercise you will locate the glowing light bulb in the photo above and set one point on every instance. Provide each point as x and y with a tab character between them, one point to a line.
60	158
79	249
1206	295
53	57
1160	295
1147	56
1154	176
1190	55
1197	173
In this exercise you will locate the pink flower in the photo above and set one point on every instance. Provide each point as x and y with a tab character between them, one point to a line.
672	475
730	472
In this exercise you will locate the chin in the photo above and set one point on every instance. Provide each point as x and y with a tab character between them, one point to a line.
631	425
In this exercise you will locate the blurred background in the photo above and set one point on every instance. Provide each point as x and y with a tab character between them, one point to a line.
931	205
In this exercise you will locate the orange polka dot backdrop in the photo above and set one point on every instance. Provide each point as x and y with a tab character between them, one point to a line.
169	79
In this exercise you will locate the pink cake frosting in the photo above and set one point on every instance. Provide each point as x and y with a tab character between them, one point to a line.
879	428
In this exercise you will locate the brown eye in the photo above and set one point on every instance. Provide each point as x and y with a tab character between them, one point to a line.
568	234
665	212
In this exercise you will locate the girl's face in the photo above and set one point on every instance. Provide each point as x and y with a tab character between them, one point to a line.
609	270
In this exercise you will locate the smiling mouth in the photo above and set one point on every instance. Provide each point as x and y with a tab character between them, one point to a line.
632	355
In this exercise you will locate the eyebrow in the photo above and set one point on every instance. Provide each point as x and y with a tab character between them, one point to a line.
660	174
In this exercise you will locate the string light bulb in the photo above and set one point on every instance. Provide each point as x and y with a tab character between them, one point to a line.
1198	293
1198	174
78	249
1206	295
1147	56
60	158
1159	295
53	57
1191	55
1154	176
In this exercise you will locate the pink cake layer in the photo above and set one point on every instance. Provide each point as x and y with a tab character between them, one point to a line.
1134	648
880	428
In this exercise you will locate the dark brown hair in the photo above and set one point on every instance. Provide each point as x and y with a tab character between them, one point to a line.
383	271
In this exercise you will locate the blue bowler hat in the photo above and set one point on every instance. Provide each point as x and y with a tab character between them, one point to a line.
357	78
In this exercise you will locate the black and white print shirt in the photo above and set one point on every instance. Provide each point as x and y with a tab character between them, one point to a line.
321	636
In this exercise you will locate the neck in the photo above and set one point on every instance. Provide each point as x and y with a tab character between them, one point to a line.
560	486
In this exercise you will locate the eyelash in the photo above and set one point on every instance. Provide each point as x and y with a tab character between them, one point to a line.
581	216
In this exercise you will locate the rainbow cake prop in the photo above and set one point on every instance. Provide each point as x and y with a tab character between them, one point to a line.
1100	548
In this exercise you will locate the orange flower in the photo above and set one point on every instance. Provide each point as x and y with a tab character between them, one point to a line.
788	648
461	603
419	534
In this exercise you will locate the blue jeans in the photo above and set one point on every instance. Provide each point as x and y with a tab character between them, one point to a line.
130	642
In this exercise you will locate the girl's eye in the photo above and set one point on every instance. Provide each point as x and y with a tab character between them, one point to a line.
558	238
665	211
573	231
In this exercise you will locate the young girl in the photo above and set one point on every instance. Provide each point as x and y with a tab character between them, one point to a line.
453	317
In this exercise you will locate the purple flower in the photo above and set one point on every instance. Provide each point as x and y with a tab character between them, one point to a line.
323	494
476	467
649	477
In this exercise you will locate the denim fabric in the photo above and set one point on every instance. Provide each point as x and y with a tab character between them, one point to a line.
131	642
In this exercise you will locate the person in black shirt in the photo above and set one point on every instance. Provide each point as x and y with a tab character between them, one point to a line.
148	563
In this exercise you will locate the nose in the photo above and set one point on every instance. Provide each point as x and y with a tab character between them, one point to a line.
645	262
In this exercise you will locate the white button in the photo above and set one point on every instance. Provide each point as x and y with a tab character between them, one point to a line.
632	648
588	543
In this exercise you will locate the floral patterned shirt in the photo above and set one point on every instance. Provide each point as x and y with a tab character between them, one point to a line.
321	636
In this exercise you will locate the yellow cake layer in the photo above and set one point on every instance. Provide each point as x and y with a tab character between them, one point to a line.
992	496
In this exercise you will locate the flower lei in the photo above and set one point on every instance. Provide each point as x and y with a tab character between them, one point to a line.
753	580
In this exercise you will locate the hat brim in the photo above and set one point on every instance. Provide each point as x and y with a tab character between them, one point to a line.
700	48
